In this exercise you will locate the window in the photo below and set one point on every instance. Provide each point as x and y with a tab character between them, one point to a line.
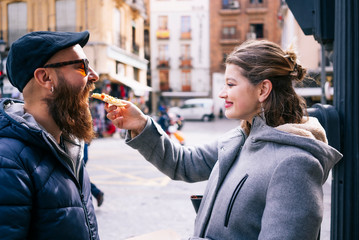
117	27
136	74
163	58
225	4
17	20
146	43
230	4
164	81
257	29
120	69
255	1
133	32
162	22
186	80
135	46
162	31
186	27
66	15
229	32
186	59
186	51
163	51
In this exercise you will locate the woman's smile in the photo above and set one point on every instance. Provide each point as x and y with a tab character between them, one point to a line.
228	104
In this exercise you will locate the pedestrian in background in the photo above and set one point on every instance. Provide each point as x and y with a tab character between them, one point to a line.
264	177
164	121
175	126
95	191
45	190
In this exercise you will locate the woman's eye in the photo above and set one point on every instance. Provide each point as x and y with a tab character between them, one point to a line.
230	84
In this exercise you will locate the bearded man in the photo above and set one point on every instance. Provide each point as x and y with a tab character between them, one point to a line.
44	187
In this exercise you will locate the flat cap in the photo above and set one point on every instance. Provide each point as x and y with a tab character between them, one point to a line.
34	49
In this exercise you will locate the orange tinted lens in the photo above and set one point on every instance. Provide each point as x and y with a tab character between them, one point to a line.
82	70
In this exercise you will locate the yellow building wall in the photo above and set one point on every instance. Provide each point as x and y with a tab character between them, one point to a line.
95	16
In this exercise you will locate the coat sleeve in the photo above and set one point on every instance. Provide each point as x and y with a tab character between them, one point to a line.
294	200
190	164
15	199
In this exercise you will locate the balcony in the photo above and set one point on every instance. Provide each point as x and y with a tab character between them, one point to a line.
163	34
164	86
186	88
230	38
256	7
163	63
186	35
232	8
186	62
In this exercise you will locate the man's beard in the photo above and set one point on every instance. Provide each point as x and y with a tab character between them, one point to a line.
70	111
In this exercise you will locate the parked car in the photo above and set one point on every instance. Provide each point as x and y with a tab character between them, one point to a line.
195	109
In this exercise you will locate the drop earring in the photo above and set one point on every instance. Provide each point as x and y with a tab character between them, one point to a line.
52	89
262	114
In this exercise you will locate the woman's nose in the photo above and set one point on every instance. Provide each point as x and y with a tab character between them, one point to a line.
222	93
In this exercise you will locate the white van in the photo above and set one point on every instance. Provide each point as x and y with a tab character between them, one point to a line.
196	109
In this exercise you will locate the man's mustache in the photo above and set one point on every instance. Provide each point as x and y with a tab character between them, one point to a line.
90	86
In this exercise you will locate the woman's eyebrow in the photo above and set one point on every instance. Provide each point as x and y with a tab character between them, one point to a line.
231	79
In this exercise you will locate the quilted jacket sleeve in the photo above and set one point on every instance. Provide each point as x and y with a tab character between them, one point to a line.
190	164
15	195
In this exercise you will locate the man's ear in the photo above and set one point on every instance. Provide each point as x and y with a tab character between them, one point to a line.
265	90
43	78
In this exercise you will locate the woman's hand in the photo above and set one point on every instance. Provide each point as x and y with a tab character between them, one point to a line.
129	117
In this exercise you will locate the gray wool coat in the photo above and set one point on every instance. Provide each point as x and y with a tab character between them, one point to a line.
264	186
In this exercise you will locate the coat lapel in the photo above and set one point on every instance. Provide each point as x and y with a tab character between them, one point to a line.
228	150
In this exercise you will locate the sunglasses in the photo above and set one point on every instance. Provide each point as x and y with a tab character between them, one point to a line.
84	66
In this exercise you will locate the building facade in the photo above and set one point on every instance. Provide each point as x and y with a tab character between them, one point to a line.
311	55
179	50
292	35
116	46
233	22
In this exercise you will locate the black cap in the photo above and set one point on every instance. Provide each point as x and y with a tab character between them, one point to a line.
34	49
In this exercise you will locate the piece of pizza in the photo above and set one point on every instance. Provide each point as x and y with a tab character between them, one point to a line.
109	99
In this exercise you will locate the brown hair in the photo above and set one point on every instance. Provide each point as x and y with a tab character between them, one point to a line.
260	60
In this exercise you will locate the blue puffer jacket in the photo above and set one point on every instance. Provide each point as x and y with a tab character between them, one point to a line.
40	196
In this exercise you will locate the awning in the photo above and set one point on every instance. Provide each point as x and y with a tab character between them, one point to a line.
138	88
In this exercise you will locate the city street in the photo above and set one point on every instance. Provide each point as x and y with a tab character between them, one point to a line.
139	199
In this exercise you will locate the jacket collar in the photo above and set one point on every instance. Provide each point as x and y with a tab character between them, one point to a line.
229	147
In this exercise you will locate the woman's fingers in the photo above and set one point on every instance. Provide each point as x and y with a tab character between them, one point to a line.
113	113
127	117
118	122
109	107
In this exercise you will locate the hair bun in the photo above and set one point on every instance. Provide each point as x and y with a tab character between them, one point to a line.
291	56
298	72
